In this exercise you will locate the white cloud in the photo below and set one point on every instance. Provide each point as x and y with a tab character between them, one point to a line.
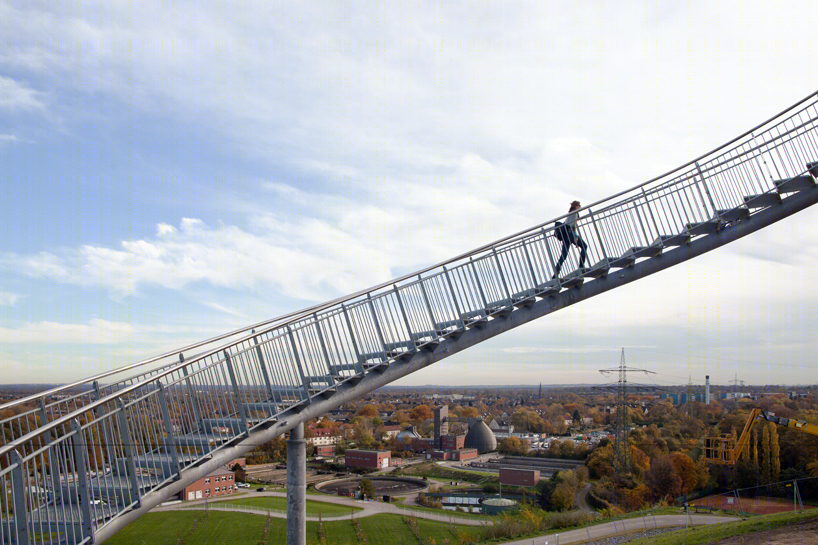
8	299
17	96
94	332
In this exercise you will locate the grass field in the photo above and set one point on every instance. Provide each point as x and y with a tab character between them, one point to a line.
710	534
224	528
280	504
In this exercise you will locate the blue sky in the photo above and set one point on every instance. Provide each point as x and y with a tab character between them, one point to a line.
172	171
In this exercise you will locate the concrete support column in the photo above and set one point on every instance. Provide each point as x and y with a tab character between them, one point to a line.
297	487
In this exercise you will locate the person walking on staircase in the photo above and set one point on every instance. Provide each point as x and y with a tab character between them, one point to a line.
569	234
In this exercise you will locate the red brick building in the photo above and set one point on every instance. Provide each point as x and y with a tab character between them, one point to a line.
519	477
216	483
325	451
464	454
452	442
367	459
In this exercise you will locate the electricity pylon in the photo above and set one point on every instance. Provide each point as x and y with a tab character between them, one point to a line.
622	451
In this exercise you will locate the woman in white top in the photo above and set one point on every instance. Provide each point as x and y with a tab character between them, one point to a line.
571	236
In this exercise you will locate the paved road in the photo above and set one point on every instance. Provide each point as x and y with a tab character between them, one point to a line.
581	501
608	529
368	508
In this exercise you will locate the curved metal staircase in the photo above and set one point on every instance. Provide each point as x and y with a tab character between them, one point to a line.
80	461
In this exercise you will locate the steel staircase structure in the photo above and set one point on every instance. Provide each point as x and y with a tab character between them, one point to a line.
79	462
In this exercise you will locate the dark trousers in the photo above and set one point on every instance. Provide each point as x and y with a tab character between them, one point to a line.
566	245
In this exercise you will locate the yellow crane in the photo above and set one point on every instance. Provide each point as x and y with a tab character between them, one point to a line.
725	450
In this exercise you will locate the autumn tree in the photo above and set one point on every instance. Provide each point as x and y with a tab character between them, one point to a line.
775	453
368	411
686	470
421	413
662	478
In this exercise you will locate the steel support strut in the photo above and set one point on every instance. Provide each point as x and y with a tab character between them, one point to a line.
297	486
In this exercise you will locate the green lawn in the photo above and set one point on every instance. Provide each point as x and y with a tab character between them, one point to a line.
225	528
711	533
280	504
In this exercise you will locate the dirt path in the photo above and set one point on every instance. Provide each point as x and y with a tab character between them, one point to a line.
802	533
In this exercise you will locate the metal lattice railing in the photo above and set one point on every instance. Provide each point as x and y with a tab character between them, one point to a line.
74	458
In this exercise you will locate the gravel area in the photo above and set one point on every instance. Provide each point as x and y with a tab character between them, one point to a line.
616	540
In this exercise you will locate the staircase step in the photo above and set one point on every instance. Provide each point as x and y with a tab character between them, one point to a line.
572	279
233	424
813	168
317	378
497	306
638	252
449	327
622	262
734	214
525	298
764	200
673	240
596	271
548	288
799	183
424	335
201	440
268	407
473	319
339	368
369	357
703	228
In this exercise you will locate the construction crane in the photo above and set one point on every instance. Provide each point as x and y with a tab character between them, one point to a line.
725	450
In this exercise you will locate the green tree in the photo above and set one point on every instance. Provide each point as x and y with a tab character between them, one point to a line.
367	488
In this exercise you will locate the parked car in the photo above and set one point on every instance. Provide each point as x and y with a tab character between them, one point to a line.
260	489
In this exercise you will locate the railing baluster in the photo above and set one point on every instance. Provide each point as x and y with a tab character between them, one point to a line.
323	344
454	296
170	440
706	188
403	311
130	465
598	236
240	406
650	210
81	467
500	270
194	400
359	367
479	285
18	486
376	322
264	373
298	365
426	302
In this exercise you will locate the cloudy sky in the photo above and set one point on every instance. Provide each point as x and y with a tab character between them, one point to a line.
170	171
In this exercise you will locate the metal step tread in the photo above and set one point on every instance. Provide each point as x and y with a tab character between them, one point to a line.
704	227
734	214
622	262
763	200
798	183
673	240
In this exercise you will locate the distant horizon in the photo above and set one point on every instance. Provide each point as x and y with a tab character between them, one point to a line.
447	387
